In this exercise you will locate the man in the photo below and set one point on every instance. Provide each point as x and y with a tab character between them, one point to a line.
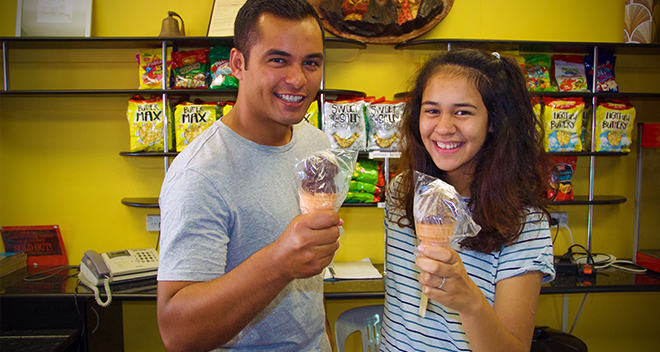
239	265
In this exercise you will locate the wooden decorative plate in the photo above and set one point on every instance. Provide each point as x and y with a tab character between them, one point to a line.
381	21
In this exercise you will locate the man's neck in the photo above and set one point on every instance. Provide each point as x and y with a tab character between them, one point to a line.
250	128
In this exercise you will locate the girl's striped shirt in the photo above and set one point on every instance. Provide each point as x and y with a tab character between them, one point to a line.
441	330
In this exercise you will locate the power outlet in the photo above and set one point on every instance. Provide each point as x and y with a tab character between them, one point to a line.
561	217
153	223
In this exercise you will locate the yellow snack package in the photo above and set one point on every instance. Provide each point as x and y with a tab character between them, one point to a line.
227	107
151	68
191	119
312	114
614	125
145	120
562	121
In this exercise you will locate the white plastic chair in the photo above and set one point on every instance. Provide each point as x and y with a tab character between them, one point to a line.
367	320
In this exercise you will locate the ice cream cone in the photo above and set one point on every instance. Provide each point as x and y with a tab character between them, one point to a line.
435	234
316	201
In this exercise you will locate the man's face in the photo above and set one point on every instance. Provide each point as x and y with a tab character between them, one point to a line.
284	71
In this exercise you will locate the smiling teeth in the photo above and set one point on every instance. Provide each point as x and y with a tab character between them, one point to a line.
290	98
447	145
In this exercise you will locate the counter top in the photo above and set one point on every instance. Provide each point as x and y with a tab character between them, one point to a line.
64	284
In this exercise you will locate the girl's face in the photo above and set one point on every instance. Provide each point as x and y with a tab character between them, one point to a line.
453	124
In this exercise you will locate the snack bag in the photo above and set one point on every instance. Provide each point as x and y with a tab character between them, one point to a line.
190	69
361	197
605	80
366	170
191	119
383	120
151	67
614	125
225	108
586	128
441	217
221	76
312	114
357	186
145	119
344	124
561	173
537	73
562	122
569	73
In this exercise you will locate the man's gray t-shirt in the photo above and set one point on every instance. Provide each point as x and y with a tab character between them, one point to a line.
225	198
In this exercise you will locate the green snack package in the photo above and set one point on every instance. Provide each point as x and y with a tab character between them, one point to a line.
221	76
366	171
537	73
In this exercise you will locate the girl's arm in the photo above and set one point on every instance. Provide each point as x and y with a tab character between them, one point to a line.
507	326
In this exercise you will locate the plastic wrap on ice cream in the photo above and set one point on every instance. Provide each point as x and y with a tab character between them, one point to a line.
441	217
324	178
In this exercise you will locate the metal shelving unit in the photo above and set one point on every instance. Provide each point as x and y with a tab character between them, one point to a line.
591	198
18	43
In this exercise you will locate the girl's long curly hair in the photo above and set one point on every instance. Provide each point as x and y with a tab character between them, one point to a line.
511	167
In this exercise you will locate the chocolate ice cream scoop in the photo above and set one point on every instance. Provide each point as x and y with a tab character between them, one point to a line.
319	172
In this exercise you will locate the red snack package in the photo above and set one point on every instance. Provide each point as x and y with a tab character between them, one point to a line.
190	69
561	173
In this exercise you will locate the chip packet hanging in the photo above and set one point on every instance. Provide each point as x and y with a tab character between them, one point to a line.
537	73
605	79
561	174
614	125
312	114
221	76
562	123
344	124
190	69
150	62
569	73
384	118
145	120
227	107
191	119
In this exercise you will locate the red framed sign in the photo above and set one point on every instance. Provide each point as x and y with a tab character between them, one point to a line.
42	244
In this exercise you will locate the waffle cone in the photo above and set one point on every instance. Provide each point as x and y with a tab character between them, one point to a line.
316	201
435	234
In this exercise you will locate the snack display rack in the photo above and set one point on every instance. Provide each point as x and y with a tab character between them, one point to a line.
591	198
13	43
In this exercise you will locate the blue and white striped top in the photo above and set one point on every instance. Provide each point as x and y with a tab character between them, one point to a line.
441	330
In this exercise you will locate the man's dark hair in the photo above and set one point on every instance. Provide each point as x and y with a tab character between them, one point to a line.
246	28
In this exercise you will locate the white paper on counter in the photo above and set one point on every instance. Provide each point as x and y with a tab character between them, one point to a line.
362	269
327	274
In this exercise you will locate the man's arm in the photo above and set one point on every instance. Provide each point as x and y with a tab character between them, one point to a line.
200	316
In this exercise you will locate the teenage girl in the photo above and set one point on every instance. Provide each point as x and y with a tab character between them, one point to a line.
470	123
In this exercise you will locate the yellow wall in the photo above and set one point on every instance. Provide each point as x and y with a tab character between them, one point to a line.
60	162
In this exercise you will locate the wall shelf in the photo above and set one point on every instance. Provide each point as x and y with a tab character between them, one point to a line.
596	200
152	202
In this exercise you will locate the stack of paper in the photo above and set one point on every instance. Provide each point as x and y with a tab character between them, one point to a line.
12	261
362	269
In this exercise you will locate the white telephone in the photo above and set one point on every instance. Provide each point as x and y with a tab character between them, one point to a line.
114	267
